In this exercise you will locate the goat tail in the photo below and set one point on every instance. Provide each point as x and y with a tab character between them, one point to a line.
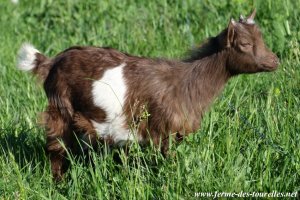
30	59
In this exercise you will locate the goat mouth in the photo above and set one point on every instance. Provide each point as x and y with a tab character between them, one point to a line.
269	68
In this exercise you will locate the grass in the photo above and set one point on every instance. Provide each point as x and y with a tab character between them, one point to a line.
249	140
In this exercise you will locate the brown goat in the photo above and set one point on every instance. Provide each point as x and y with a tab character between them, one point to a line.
101	93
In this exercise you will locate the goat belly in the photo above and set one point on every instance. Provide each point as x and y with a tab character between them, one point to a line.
109	94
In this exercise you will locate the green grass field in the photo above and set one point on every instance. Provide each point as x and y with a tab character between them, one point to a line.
249	140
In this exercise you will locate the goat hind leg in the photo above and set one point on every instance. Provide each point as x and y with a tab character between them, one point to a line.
58	140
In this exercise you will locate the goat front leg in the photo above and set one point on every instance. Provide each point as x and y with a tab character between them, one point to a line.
160	142
165	144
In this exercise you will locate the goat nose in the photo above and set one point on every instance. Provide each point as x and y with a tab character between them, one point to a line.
276	60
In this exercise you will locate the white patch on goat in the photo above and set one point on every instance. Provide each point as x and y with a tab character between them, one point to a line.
109	95
26	57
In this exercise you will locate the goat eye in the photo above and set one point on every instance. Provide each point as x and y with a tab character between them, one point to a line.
246	44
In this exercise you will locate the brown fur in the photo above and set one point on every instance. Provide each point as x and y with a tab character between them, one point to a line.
175	94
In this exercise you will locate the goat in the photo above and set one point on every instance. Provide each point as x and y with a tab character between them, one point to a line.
99	93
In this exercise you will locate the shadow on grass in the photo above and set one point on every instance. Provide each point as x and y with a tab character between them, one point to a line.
117	156
22	146
27	147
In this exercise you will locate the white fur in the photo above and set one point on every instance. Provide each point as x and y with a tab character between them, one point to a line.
250	21
109	95
26	57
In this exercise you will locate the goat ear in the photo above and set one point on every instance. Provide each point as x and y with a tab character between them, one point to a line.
230	32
